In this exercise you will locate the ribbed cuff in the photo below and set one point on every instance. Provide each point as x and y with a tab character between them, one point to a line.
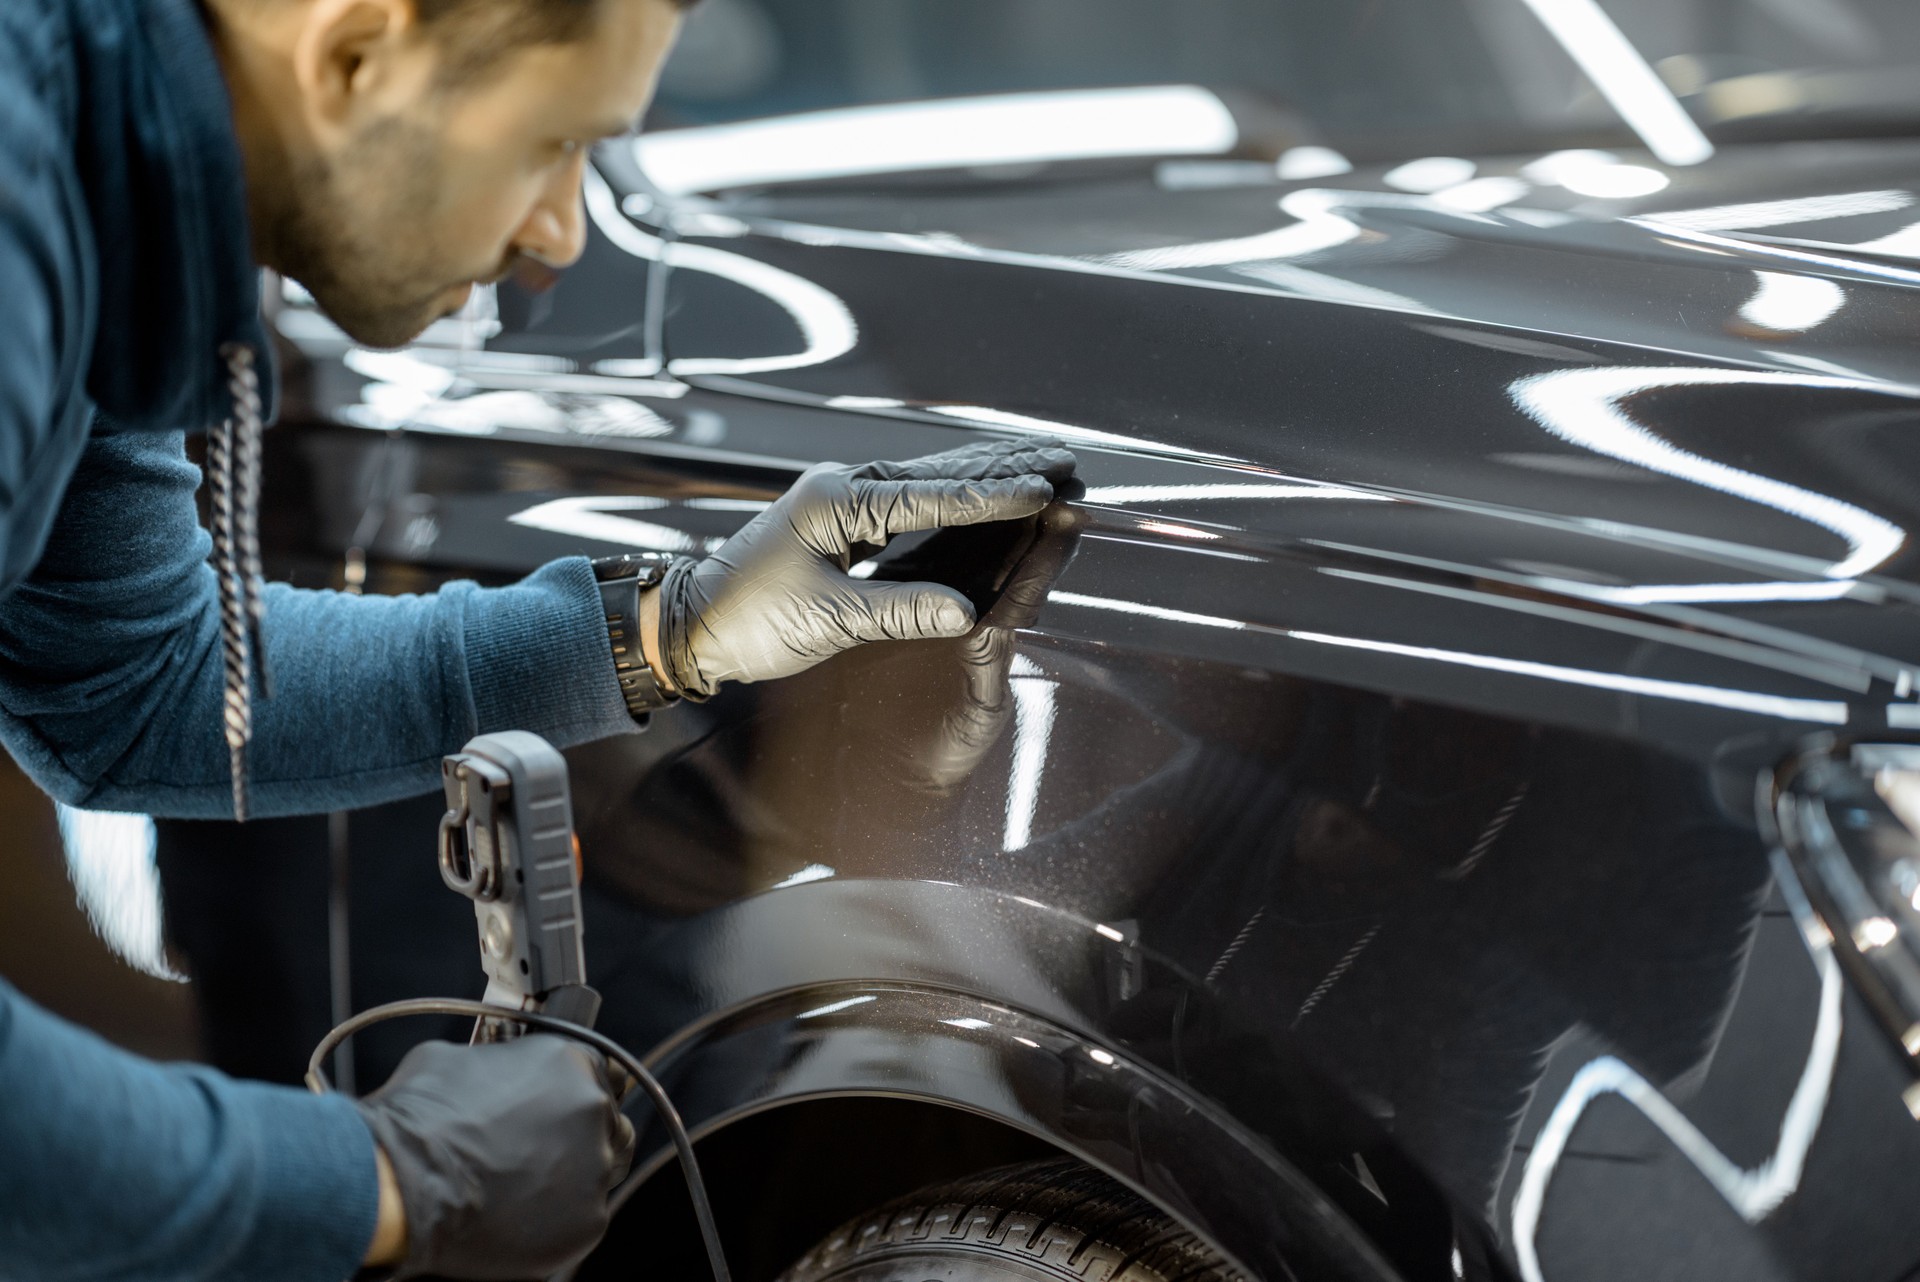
318	1187
538	658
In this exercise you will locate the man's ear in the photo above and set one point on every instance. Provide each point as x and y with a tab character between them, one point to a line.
358	58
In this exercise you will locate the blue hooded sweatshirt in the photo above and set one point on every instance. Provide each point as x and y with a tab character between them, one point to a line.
124	268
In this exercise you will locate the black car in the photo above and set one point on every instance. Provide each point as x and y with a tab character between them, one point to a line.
1433	804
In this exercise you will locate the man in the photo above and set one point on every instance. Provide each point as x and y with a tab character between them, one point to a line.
388	154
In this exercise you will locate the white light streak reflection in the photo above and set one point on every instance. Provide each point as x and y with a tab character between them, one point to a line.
1429	173
110	861
1307	283
1707	593
1783	213
1098	1056
1298	164
1032	426
1818	711
1788	304
1599	174
1624	79
865	403
968	1023
1145	611
1904	243
1121	495
1101	928
597	518
1005	129
1483	194
1753	1194
827	328
1033	717
1617	182
1173	531
1316	227
1026	1041
606	214
1587	408
812	872
833	1008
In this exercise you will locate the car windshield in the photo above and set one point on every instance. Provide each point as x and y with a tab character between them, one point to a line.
1376	79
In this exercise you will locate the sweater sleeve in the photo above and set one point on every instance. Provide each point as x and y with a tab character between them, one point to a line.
115	1168
110	672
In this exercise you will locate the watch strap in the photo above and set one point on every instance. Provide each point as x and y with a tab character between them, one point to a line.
622	579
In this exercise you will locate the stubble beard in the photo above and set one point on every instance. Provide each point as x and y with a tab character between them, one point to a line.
354	233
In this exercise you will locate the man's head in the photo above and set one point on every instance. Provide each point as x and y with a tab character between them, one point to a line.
399	151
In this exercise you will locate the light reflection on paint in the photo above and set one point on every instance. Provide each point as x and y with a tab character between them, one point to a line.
1599	174
1299	164
968	1023
1753	1194
1030	425
1624	79
1781	213
1005	129
812	872
1120	495
1320	225
1707	593
597	518
1307	283
1033	717
1586	407
1173	531
1429	173
1147	611
110	862
1483	194
827	328
1790	304
1819	711
835	1007
1317	227
865	403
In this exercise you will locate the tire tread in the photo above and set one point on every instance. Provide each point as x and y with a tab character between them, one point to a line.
1058	1216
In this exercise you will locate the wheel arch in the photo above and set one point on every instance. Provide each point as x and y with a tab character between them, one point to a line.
1027	1080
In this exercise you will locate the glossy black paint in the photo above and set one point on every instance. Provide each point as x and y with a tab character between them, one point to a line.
1352	808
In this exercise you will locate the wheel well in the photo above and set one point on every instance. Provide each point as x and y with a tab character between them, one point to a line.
783	1179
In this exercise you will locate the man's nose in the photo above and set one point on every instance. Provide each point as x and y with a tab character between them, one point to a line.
556	232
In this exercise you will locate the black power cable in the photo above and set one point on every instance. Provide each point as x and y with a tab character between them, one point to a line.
669	1115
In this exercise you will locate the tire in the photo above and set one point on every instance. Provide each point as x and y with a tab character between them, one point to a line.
1051	1221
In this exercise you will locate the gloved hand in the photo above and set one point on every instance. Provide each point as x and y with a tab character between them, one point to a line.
777	599
935	749
504	1154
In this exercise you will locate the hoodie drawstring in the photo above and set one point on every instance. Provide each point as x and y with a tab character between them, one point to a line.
233	488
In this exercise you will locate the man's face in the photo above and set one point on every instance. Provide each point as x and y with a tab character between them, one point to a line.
433	186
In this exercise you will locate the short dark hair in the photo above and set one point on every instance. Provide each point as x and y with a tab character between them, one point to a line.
482	30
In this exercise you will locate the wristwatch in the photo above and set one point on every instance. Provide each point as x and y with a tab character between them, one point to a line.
622	579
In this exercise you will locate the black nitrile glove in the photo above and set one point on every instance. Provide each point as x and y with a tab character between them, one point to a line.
504	1154
777	599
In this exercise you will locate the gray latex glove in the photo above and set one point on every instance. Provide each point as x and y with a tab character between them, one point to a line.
504	1154
777	599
